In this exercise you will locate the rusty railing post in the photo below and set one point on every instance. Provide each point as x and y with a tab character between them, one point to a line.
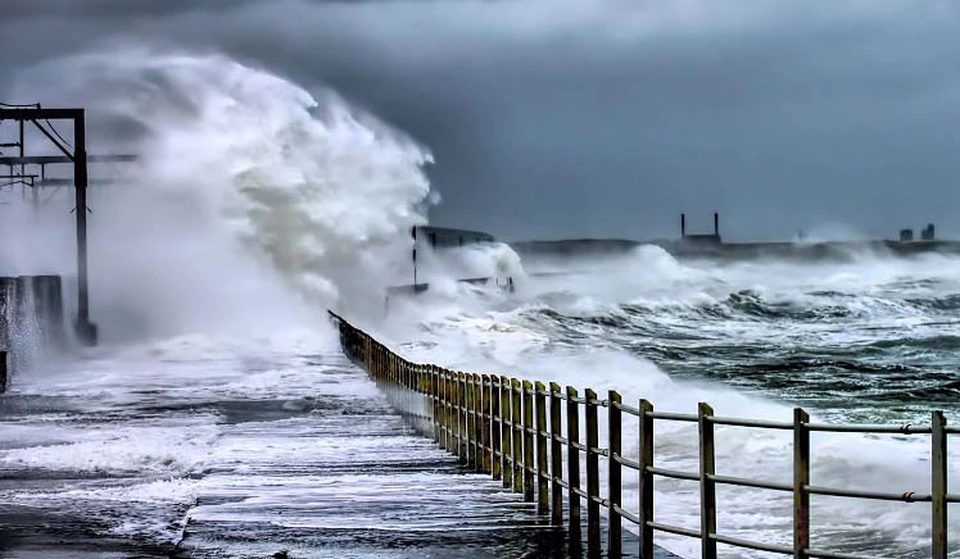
528	465
451	415
645	486
614	479
708	487
506	430
593	470
939	484
556	457
471	423
573	459
543	491
484	398
496	428
801	479
516	398
462	417
435	395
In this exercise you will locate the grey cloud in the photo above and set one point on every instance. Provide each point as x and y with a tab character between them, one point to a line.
568	118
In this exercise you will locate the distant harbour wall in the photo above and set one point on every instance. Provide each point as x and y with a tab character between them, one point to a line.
31	321
693	248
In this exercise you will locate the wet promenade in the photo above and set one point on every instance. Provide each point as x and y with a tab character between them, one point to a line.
238	452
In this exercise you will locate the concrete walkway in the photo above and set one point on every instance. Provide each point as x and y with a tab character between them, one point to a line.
267	454
374	489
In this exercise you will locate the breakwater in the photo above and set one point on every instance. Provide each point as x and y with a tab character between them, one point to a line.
685	248
566	451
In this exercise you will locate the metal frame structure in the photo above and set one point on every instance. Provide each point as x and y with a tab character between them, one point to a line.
76	155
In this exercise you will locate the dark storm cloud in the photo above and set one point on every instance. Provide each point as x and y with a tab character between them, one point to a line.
591	117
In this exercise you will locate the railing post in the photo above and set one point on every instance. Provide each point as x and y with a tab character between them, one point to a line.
485	418
593	470
543	491
801	479
614	481
556	457
435	393
471	423
496	428
516	409
645	486
528	465
462	418
708	487
451	415
442	405
573	458
506	430
939	486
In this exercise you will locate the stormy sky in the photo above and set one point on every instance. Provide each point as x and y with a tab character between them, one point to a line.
605	118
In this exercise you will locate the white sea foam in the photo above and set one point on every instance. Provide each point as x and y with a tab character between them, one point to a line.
509	341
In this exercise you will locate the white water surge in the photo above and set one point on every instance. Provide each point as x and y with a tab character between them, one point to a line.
587	328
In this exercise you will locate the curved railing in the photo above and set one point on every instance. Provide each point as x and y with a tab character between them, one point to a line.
514	430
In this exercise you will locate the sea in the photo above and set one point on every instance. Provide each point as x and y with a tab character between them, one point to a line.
257	204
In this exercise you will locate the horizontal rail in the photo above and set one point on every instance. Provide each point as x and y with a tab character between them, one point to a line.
904	429
821	554
632	464
672	416
754	423
675	474
746	482
907	497
628	409
749	544
670	529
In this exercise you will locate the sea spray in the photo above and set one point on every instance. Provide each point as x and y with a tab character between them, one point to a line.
247	184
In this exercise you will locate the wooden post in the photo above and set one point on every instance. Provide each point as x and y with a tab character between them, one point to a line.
543	491
506	426
556	457
593	470
573	459
645	487
801	479
516	408
528	465
708	487
614	480
939	485
496	428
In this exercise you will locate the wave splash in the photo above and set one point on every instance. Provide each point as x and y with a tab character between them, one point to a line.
242	174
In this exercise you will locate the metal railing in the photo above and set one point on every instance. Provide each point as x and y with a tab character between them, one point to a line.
514	430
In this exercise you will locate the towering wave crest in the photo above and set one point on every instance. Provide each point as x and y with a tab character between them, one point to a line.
245	180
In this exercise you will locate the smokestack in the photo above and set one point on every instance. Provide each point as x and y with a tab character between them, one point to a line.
683	225
716	224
